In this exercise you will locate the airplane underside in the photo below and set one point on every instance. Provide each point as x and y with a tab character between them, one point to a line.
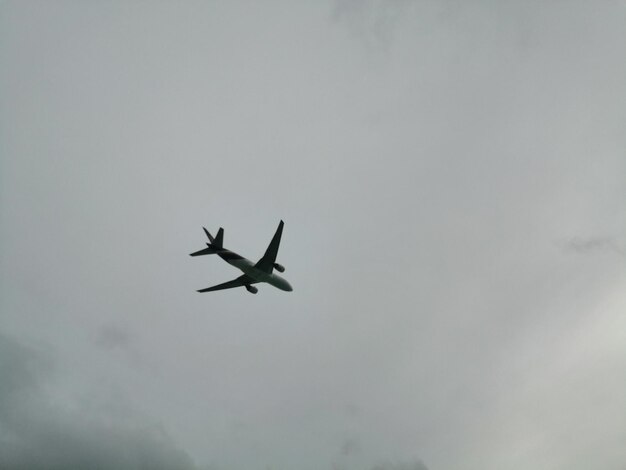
248	268
254	273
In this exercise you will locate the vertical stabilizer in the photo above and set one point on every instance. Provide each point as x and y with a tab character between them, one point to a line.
218	241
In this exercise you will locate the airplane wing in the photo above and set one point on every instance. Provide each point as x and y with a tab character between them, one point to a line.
269	258
239	282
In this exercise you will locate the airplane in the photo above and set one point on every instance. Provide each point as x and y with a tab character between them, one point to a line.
262	271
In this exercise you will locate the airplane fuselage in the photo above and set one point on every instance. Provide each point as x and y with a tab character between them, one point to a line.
253	273
248	267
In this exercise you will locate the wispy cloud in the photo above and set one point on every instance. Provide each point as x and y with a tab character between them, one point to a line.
374	21
111	337
590	245
350	447
414	465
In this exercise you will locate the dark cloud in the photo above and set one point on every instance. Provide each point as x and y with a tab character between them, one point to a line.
20	369
36	434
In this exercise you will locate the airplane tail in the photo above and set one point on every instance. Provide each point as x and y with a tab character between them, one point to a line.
218	241
215	246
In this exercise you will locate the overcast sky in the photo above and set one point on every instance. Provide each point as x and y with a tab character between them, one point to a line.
452	177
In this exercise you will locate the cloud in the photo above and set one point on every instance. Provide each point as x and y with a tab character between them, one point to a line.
352	454
373	21
589	245
425	156
111	337
415	465
350	446
35	433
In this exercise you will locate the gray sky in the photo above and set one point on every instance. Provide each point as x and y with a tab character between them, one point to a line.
452	180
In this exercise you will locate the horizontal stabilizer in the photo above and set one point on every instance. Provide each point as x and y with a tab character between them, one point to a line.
206	251
208	235
215	246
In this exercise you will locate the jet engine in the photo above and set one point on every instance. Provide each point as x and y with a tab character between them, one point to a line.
252	289
279	267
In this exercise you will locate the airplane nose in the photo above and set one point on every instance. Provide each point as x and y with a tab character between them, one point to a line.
281	283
